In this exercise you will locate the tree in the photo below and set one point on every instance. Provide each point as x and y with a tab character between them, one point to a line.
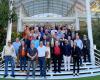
4	17
4	12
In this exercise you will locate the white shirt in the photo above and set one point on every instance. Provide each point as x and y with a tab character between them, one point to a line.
48	50
41	51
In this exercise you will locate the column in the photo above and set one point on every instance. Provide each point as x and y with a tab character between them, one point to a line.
19	24
77	28
9	29
89	28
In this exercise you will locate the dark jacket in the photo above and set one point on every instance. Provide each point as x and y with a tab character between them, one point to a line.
86	44
62	45
27	42
44	42
67	49
75	52
32	52
66	35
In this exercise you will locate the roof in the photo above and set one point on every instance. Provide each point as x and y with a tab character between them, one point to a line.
59	7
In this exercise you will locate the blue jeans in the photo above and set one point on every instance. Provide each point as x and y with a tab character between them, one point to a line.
42	63
23	63
31	62
8	59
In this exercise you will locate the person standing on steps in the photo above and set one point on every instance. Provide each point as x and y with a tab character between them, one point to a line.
80	45
48	56
22	56
32	53
57	57
9	55
16	45
67	55
86	49
42	59
75	56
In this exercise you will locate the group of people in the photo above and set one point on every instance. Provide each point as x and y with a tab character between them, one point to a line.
45	45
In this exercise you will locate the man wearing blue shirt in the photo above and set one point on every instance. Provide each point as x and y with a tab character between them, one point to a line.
16	46
35	42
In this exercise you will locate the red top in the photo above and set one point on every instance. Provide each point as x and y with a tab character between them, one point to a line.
57	50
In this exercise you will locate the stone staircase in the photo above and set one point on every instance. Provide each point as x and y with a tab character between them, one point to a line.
85	71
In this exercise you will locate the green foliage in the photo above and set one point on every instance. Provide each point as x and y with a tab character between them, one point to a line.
95	30
4	11
16	35
4	17
2	38
14	16
96	36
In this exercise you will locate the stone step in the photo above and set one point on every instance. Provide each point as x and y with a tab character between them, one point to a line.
62	68
62	64
85	71
52	77
52	73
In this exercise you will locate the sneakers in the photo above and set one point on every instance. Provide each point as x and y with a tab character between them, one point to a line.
55	71
77	74
44	78
5	76
12	75
59	71
73	74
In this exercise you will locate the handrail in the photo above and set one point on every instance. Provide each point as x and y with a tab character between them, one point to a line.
97	56
97	50
1	64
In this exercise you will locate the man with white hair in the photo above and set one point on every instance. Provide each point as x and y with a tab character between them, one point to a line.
9	55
